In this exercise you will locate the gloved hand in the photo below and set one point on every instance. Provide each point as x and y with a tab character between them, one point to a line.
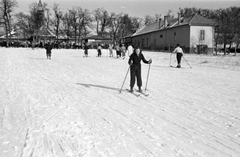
131	62
150	61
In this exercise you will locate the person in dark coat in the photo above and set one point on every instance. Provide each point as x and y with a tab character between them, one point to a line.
86	47
135	68
99	49
48	48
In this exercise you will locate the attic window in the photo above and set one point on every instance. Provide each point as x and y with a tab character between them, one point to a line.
161	36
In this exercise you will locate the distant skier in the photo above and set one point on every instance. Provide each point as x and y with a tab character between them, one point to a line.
135	68
123	50
179	53
110	48
99	49
48	48
118	51
86	47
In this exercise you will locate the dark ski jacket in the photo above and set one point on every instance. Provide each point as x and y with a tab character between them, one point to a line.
136	60
86	47
48	47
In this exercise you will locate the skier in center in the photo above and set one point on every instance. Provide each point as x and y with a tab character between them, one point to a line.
135	68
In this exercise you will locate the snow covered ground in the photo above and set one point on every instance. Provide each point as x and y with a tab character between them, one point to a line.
70	106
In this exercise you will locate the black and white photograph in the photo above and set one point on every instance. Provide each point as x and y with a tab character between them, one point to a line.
119	78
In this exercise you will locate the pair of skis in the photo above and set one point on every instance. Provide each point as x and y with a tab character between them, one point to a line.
178	67
138	93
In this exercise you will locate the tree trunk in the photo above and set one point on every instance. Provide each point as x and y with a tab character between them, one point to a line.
6	31
75	35
229	48
235	51
225	44
97	28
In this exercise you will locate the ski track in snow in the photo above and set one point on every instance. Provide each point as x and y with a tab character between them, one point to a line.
71	106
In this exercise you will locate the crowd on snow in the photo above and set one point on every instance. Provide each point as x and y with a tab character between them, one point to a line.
118	51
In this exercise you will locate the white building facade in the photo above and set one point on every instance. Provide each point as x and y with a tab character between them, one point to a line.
195	34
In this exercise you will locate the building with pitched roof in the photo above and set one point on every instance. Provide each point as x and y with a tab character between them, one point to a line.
195	34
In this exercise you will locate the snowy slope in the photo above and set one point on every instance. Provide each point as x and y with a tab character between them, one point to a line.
70	106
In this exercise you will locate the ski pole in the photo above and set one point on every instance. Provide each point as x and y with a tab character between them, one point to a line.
170	60
124	79
187	62
147	77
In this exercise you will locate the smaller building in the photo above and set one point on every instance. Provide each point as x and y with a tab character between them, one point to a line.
95	40
195	34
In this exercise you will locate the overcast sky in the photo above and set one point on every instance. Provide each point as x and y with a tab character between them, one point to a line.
137	8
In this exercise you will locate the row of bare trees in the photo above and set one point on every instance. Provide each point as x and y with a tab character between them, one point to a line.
77	22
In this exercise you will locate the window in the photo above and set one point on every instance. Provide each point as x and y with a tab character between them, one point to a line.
147	41
155	42
161	36
175	36
142	42
202	34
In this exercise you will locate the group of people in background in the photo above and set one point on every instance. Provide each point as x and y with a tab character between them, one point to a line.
121	50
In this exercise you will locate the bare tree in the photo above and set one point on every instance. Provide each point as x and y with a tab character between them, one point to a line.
137	22
6	7
22	22
85	21
116	26
148	19
104	22
234	26
80	18
66	26
96	14
58	14
102	19
73	14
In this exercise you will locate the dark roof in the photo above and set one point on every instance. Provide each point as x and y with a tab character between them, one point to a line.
45	32
194	20
198	20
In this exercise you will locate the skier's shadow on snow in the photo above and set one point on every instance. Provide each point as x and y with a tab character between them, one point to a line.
38	58
97	86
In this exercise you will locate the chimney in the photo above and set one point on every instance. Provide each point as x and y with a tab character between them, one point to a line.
165	21
179	18
160	22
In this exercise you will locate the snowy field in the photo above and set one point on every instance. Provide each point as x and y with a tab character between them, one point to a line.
70	106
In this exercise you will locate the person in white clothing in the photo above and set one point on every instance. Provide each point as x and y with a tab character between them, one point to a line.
110	48
179	53
130	50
